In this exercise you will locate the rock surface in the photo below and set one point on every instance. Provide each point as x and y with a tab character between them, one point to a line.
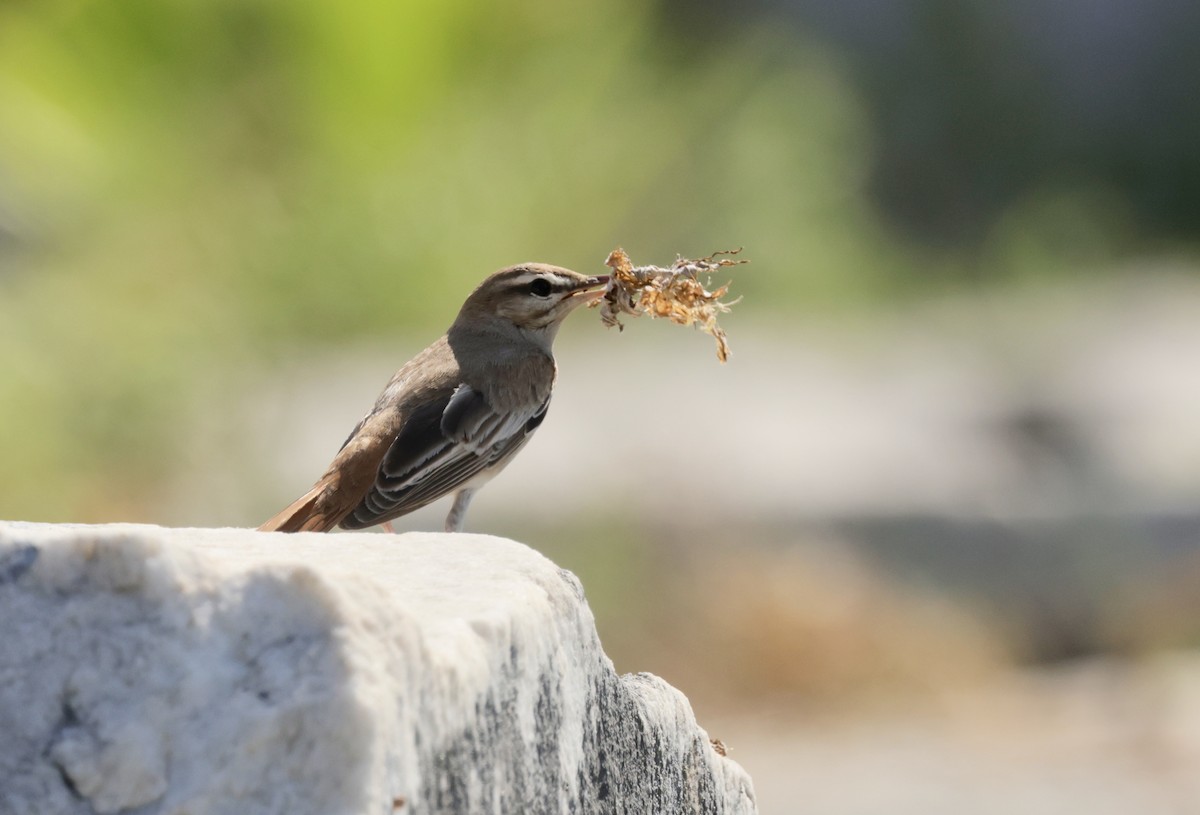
228	671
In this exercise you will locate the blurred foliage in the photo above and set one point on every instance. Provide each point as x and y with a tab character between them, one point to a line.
797	619
186	185
191	188
819	618
979	106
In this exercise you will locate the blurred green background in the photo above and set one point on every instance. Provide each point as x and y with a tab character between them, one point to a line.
956	443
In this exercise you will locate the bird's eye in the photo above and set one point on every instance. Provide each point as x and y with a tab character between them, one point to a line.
540	287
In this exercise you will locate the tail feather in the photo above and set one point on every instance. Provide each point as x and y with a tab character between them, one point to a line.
302	515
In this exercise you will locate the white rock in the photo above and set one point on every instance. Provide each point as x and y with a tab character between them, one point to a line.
228	671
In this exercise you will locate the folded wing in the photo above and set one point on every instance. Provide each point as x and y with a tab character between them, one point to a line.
441	447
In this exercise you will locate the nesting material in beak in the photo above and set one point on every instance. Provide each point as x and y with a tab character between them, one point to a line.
674	292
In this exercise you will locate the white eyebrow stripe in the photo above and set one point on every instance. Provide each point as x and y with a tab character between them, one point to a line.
556	280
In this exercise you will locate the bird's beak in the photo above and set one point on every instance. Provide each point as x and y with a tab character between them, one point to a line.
592	288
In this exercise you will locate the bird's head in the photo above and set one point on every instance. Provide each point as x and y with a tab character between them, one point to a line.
533	297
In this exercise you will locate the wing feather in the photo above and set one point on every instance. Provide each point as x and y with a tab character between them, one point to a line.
443	446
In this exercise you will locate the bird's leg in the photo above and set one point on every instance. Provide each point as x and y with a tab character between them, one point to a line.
458	512
387	527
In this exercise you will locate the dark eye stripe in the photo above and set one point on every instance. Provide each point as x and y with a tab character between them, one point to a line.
523	287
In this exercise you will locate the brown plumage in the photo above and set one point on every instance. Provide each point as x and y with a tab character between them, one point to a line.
456	413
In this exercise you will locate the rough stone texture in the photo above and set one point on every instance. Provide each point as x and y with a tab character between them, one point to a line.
228	671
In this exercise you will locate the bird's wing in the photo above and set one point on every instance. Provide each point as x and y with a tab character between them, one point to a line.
443	445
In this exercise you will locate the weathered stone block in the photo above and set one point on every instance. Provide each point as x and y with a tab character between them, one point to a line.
229	671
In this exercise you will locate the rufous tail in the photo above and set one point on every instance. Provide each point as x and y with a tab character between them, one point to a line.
302	515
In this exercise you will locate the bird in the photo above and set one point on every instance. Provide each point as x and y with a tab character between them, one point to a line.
455	414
